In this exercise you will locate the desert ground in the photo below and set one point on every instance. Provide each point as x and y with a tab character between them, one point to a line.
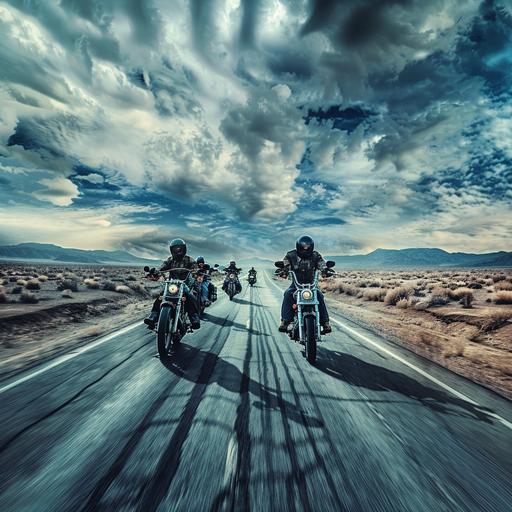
45	309
461	319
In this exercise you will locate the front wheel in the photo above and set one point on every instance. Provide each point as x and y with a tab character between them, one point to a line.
164	336
310	328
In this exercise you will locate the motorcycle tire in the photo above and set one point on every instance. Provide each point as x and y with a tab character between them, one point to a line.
164	338
310	330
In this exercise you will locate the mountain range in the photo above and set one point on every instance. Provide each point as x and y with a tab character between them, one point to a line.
421	257
380	258
57	254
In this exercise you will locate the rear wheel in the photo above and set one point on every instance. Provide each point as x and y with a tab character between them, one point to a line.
164	336
310	328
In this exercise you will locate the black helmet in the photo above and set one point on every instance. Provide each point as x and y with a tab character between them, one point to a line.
178	248
305	246
232	263
199	259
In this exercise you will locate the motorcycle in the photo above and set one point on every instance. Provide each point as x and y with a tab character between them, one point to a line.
231	285
252	279
173	322
305	327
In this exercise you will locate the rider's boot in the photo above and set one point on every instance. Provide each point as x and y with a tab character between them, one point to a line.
283	327
151	320
326	328
194	322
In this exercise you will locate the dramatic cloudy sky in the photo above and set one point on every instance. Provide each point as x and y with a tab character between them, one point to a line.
240	124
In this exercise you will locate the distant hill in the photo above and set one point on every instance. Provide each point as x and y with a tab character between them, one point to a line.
255	261
421	257
57	254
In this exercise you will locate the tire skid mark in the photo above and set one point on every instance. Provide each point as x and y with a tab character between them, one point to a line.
235	495
153	494
297	475
311	435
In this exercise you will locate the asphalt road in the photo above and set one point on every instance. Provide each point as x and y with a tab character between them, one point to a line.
238	420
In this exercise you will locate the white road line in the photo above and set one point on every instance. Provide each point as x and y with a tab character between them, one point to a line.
433	379
60	360
230	466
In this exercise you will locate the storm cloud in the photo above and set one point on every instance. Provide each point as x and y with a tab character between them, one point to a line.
242	124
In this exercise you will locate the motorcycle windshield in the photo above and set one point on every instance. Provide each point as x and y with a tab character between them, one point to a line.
179	273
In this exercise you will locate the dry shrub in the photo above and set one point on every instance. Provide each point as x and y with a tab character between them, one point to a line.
28	297
33	284
349	289
465	295
440	296
109	286
43	279
92	284
396	294
495	320
67	294
137	287
503	297
454	348
16	290
121	288
93	330
375	294
503	285
402	304
131	278
68	284
21	282
498	278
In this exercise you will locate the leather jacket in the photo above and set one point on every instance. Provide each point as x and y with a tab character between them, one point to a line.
304	268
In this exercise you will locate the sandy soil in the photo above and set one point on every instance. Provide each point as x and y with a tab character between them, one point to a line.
474	342
59	319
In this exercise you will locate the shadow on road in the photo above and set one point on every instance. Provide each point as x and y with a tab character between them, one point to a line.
357	372
228	376
247	303
217	320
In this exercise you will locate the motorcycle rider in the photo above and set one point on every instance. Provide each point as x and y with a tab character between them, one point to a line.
304	260
252	271
232	269
178	259
208	288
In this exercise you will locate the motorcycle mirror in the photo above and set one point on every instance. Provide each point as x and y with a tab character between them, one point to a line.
279	264
207	267
216	265
146	269
152	270
330	264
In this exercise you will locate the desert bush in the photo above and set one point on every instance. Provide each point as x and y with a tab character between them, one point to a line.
13	279
402	304
16	290
454	348
67	294
131	278
465	295
121	288
495	320
503	297
475	286
68	284
92	284
503	285
498	278
33	284
42	279
137	287
440	296
109	286
396	294
21	282
28	297
375	294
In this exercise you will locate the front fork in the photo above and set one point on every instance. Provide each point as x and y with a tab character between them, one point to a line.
300	318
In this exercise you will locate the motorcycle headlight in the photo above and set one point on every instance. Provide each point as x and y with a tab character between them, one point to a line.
173	289
232	276
307	294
